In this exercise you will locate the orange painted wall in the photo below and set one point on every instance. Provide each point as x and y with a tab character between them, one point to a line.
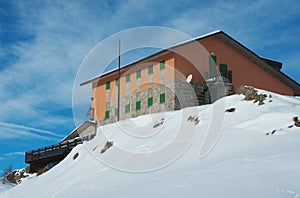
99	103
244	71
144	77
192	59
132	82
99	88
169	70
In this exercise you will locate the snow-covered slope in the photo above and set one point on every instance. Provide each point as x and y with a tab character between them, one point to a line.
5	186
245	162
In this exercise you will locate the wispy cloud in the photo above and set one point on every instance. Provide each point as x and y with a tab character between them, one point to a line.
44	132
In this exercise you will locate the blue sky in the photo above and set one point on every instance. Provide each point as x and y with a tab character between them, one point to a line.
42	44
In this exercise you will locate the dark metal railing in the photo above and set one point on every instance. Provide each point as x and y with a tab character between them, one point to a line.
50	151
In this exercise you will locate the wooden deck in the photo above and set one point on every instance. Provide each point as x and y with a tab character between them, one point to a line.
40	157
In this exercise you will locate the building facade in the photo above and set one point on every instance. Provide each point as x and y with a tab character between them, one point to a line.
193	73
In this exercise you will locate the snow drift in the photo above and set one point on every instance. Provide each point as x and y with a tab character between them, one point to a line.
256	155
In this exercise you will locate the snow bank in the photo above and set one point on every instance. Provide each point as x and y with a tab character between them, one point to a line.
245	162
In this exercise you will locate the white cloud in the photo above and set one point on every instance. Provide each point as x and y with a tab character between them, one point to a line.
44	132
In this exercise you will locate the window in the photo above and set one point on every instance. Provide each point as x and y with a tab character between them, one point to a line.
106	114
162	98
107	85
162	65
138	105
150	69
229	76
128	78
127	108
138	74
117	82
150	101
223	70
116	111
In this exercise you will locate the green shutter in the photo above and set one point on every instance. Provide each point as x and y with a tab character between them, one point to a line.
117	82
138	74
107	85
162	65
150	101
116	111
138	105
150	69
162	98
127	108
106	114
223	70
127	78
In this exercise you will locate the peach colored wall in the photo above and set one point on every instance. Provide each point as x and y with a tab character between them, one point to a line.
133	82
244	71
123	86
144	78
99	88
169	75
99	103
113	88
192	59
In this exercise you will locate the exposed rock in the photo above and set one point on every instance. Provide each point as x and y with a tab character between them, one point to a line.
297	123
75	156
106	146
251	94
230	110
248	92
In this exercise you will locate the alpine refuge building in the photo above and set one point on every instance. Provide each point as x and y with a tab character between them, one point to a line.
195	72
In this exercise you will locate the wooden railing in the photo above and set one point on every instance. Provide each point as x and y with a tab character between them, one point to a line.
50	151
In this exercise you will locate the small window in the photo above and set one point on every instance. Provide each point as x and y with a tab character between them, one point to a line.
223	70
138	74
138	105
229	76
106	114
127	108
150	69
162	98
107	85
117	82
162	65
150	102
128	78
116	111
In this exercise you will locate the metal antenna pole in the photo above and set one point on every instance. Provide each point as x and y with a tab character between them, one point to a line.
119	63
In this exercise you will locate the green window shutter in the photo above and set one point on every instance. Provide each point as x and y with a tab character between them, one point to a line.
117	82
138	74
106	114
229	76
150	101
138	105
116	111
162	98
127	108
150	69
212	66
107	85
162	65
128	78
223	70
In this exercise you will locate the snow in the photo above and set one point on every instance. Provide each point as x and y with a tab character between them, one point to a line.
245	162
5	187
